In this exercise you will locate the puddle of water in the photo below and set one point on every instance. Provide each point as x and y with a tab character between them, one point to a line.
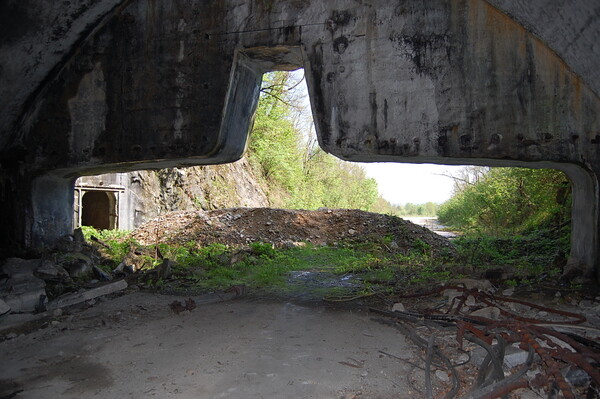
312	279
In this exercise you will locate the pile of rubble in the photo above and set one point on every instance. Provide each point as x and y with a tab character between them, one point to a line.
61	278
284	228
479	344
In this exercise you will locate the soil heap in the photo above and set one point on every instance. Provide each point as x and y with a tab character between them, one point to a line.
238	227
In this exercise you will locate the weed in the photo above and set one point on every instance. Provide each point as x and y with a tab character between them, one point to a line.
529	255
420	246
262	249
118	241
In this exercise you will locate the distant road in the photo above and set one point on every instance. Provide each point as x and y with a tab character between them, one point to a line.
432	224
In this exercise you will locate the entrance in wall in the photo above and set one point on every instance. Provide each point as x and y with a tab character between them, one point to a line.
95	207
98	209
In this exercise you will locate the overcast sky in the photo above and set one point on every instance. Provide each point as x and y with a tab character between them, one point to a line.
417	183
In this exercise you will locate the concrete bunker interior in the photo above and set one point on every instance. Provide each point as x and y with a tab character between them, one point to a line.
119	86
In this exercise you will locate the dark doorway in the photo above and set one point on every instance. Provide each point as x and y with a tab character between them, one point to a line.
96	210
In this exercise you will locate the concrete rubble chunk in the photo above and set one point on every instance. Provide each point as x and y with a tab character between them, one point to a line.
123	268
451	294
469	283
79	265
73	299
490	312
78	235
49	270
16	267
442	375
101	274
131	261
22	291
577	377
514	356
164	269
398	307
470	301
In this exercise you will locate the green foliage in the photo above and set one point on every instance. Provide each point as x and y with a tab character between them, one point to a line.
293	166
514	219
420	246
118	241
264	267
509	201
410	209
104	235
532	254
263	249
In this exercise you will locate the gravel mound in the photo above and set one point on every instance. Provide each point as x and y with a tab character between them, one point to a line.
238	227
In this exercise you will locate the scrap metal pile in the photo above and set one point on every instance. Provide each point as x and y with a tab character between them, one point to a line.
556	358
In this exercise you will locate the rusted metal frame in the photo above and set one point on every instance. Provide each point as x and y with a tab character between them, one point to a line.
467	326
578	360
549	356
552	368
463	299
503	389
488	300
519	332
583	349
593	345
414	317
495	356
423	294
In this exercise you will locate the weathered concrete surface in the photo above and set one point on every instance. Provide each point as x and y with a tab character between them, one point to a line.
135	346
141	84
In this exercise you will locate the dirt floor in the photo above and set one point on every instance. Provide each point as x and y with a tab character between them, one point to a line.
135	347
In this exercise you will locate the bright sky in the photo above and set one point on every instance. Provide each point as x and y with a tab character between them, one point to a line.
417	183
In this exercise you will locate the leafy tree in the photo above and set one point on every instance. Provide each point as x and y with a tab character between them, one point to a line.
274	145
303	174
509	201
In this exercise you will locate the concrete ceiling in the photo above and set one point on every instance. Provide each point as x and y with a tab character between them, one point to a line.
37	36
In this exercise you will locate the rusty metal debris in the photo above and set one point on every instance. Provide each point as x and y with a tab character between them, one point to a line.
549	352
177	307
235	291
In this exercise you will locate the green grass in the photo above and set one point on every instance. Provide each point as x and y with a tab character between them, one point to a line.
530	257
266	268
371	265
263	267
118	241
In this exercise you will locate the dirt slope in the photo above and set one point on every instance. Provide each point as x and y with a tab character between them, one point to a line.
241	226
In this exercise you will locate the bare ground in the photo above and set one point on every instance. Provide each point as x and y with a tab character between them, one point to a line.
136	347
